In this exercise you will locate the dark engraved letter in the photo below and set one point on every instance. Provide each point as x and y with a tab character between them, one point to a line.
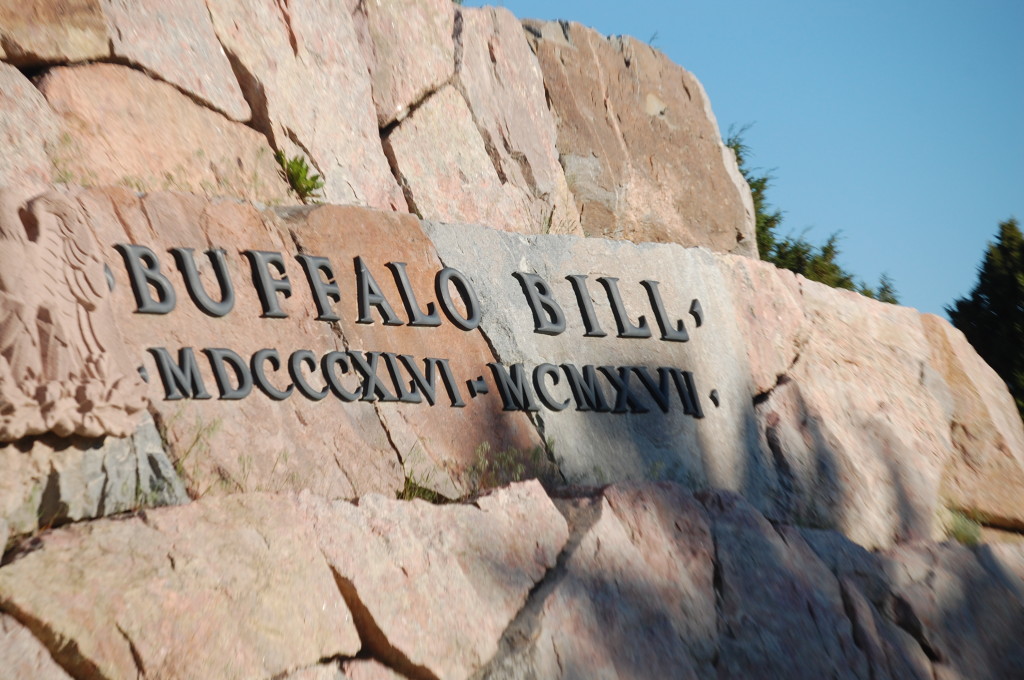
373	389
586	390
687	393
624	399
466	292
327	364
295	361
370	295
425	384
186	262
267	286
659	391
586	305
412	307
407	392
514	389
181	380
542	389
676	334
143	271
324	289
626	328
218	358
259	375
548	318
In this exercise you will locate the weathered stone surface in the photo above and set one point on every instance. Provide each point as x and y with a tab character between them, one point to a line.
175	40
453	182
499	77
641	149
775	595
336	449
50	481
770	316
634	598
618	441
463	572
369	670
986	475
966	618
27	126
46	31
60	368
1006	562
442	446
302	71
409	50
23	656
318	672
858	423
227	587
146	135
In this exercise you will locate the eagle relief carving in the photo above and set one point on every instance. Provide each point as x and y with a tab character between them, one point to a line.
57	327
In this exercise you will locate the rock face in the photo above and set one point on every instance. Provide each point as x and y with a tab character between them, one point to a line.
176	42
146	135
443	559
232	587
503	85
241	438
27	126
404	72
41	31
302	71
641	149
985	474
24	656
50	481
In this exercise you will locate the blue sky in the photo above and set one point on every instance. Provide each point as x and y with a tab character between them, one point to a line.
899	124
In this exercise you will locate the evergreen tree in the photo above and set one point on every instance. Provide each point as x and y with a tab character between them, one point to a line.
992	317
797	254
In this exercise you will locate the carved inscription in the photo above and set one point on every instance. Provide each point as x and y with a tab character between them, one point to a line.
55	326
386	376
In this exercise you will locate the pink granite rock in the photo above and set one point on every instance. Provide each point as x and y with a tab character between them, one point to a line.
175	40
857	426
27	128
146	135
500	78
303	73
38	32
986	475
640	147
964	616
454	182
408	48
23	656
369	670
636	598
226	587
463	572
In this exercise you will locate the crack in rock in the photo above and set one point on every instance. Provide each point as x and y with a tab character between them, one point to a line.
374	641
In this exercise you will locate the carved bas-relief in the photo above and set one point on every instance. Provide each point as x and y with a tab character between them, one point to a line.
58	364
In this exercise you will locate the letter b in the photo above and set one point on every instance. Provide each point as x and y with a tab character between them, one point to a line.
144	271
548	318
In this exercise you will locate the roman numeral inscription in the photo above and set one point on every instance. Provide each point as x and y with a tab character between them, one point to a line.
394	377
